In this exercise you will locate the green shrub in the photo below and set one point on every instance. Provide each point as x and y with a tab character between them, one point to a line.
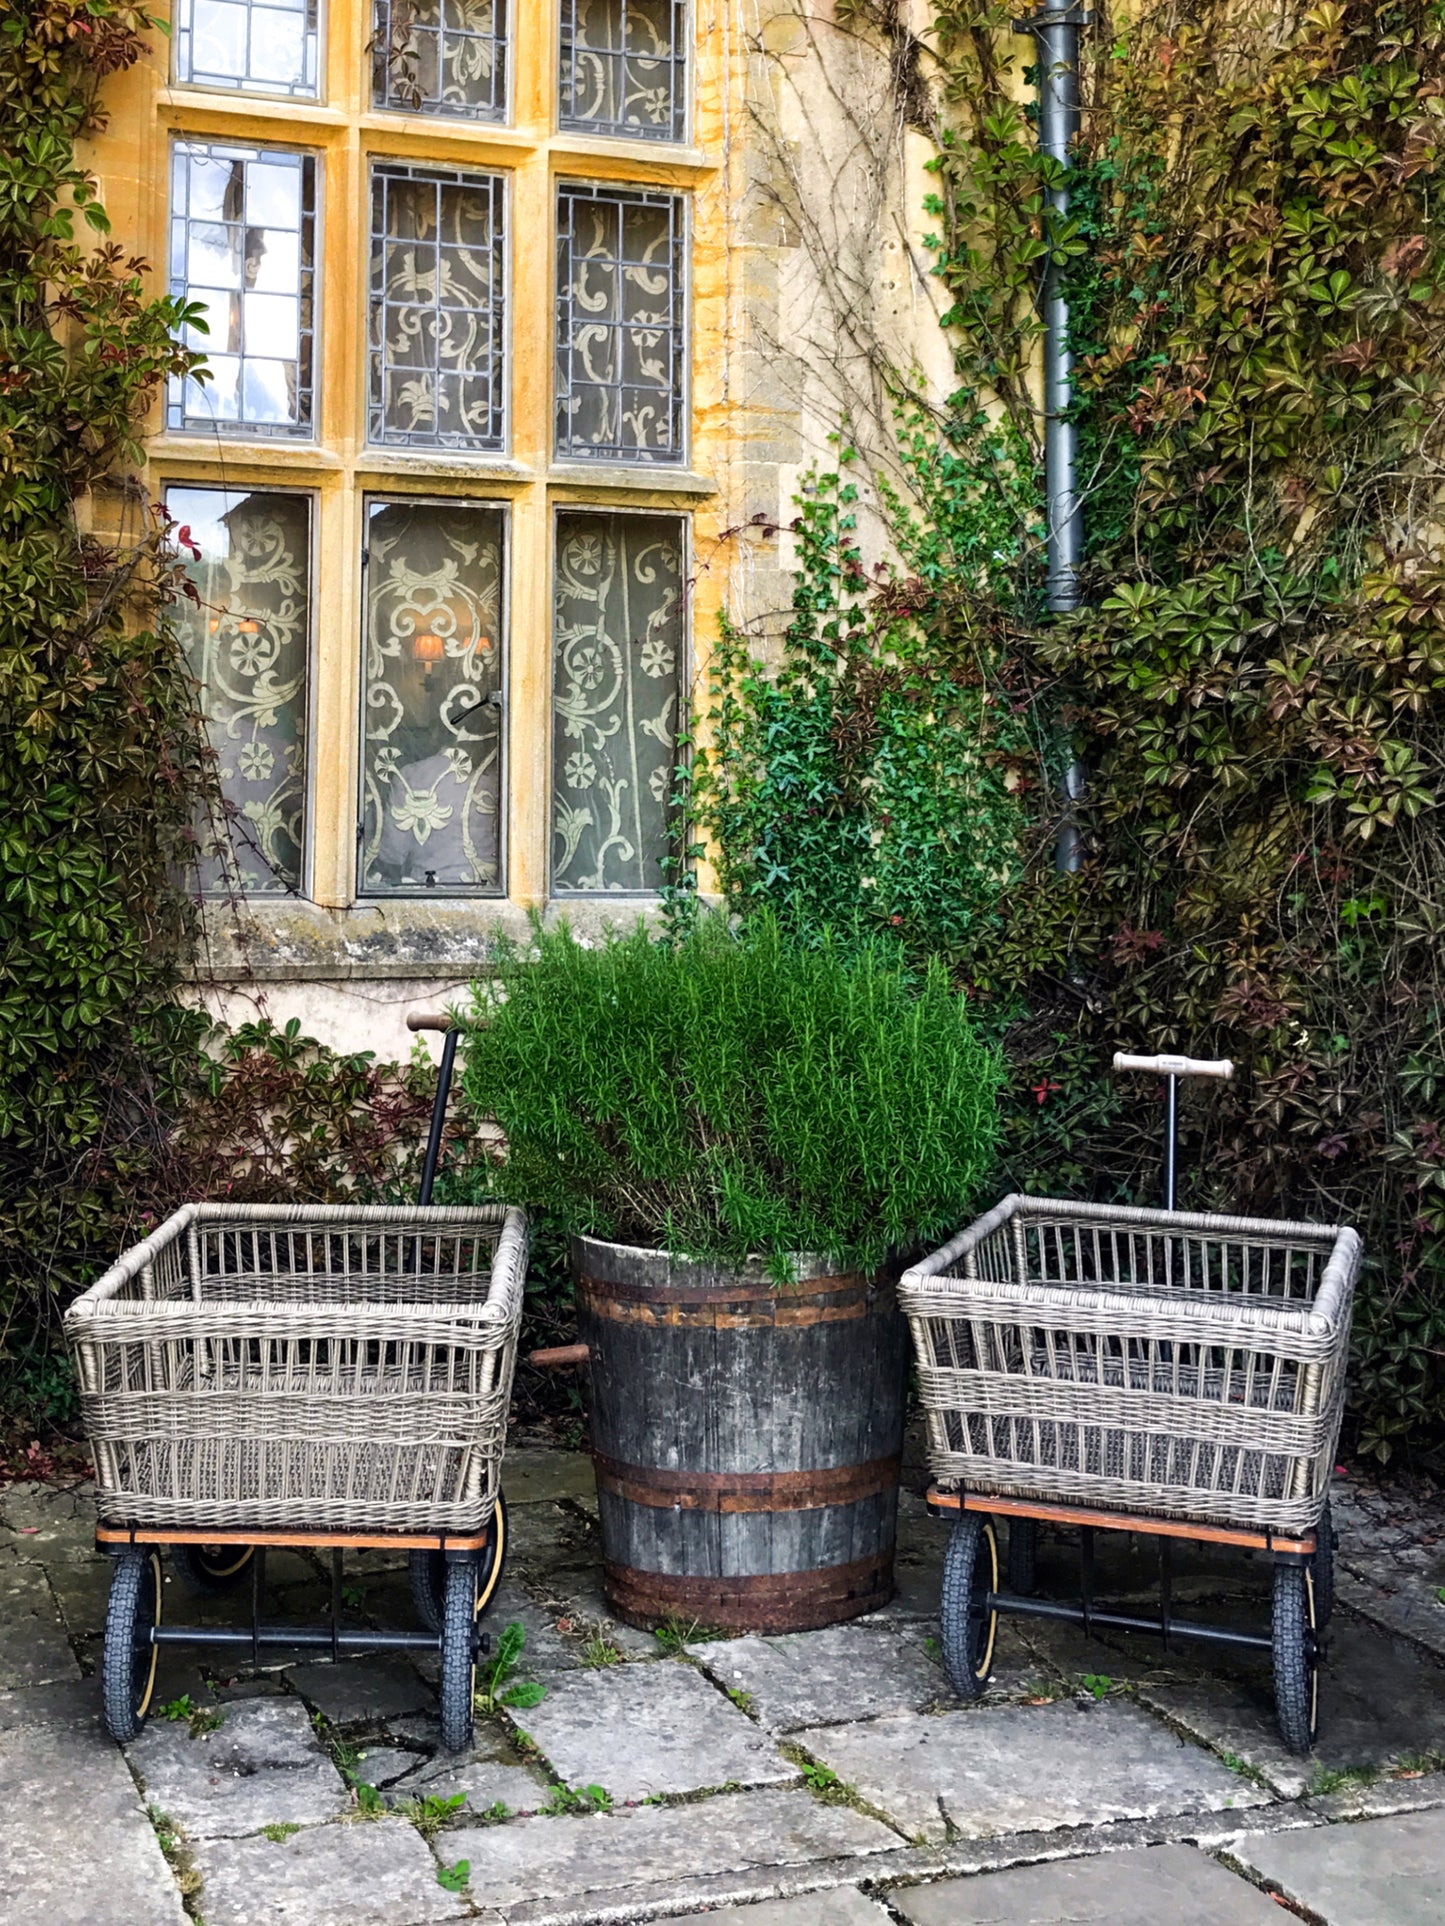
723	1096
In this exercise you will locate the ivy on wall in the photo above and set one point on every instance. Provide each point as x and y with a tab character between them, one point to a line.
1257	679
99	756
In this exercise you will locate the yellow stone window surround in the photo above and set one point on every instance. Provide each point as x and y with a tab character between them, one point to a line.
340	471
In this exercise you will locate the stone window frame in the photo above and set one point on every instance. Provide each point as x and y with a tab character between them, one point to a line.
681	323
177	421
499	183
183	31
681	516
682	63
428	496
382	94
176	480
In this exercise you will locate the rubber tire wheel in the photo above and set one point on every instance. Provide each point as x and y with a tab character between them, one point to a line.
1322	1569
128	1662
1023	1545
1296	1665
970	1572
212	1571
459	1665
427	1571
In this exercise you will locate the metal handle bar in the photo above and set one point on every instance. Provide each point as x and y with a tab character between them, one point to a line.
442	1020
1167	1066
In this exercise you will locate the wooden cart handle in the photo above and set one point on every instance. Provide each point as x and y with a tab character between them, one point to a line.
1166	1066
559	1357
430	1020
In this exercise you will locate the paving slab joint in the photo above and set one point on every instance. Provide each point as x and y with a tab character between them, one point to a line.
829	1790
176	1849
1242	1870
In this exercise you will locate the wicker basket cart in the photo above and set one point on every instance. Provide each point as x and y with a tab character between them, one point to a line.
1147	1371
329	1377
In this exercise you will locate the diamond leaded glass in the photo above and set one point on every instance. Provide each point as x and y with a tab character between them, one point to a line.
431	765
620	324
618	646
624	68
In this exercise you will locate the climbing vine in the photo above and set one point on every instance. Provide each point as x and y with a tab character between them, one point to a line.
1256	681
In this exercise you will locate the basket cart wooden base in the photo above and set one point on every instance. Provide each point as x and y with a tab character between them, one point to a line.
1171	1375
319	1377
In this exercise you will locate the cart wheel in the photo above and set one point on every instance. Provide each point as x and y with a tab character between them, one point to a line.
1023	1544
428	1572
461	1604
1296	1657
128	1663
212	1570
1322	1569
970	1573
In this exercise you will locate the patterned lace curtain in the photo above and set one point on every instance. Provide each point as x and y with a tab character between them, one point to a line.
624	68
246	639
441	57
618	647
620	306
432	725
435	320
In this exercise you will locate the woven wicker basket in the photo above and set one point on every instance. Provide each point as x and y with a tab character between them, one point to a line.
1146	1361
304	1368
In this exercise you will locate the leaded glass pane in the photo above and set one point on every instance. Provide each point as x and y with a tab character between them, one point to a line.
624	68
435	319
441	57
620	347
252	46
246	637
243	247
431	719
617	648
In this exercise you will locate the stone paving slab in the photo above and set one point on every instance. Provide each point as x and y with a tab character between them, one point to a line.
532	1475
1380	1701
1024	1768
639	1730
1415	1612
1141	1888
578	1859
545	1649
360	1689
374	1873
50	1520
1381	1872
68	1702
817	1678
844	1906
33	1647
491	1775
76	1848
263	1766
383	1765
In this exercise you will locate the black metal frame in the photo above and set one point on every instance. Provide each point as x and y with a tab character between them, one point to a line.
328	1638
1086	1613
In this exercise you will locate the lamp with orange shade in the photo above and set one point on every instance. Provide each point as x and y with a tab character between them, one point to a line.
427	648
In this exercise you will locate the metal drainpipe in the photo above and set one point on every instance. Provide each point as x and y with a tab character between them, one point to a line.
1056	32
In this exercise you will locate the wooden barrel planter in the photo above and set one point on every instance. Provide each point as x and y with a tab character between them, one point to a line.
746	1436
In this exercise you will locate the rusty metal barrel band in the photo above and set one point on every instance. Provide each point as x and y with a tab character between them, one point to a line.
765	1601
814	1300
745	1491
